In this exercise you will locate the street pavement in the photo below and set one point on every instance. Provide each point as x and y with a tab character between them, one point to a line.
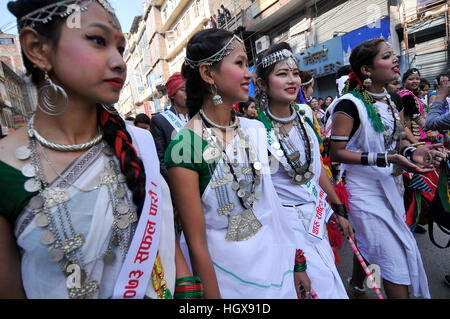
436	263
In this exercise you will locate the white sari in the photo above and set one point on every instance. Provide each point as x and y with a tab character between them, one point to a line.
377	212
91	215
260	267
299	204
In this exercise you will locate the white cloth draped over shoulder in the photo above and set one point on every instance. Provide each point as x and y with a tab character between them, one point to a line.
299	205
377	212
260	267
91	214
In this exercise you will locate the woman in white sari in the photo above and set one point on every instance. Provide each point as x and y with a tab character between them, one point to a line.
300	180
237	239
84	212
366	137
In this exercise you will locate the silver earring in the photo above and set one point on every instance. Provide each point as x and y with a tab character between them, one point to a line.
264	100
53	99
217	99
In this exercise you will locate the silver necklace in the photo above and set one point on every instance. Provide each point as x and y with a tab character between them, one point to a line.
245	188
285	120
63	147
64	244
222	127
300	174
52	166
379	96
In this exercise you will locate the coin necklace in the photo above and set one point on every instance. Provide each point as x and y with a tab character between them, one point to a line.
300	173
244	225
64	244
396	135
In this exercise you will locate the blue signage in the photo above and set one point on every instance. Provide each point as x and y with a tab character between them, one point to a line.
323	59
379	29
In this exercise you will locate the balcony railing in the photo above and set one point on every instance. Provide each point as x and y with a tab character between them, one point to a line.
170	11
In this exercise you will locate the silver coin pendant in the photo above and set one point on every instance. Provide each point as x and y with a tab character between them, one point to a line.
55	254
23	153
41	220
29	170
32	185
47	237
123	208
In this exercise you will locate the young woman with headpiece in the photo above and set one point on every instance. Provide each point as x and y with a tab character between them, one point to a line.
238	240
82	198
366	137
414	109
297	172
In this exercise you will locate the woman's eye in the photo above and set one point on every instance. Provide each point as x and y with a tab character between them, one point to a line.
121	50
97	39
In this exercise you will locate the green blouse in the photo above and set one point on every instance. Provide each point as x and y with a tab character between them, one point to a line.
13	196
186	150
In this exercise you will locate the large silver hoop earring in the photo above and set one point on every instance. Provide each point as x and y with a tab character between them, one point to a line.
53	99
217	99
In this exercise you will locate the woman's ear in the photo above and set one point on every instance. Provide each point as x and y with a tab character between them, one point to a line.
36	48
366	71
261	84
206	73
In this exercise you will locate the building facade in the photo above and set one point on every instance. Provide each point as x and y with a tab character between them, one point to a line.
18	96
322	34
156	47
423	31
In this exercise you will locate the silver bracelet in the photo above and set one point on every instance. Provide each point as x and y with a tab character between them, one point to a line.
372	158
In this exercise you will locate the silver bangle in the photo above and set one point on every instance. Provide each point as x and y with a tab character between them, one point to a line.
339	138
372	158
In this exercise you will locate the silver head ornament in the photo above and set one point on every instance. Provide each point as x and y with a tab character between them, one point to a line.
279	56
64	9
218	56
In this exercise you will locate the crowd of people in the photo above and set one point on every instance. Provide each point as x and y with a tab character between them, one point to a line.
223	195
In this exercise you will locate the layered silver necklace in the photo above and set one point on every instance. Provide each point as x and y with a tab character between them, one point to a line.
397	134
59	233
300	173
63	147
242	171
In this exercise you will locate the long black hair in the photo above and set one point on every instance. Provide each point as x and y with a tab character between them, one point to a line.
202	45
114	130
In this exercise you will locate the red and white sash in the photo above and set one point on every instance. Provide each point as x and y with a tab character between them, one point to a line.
136	270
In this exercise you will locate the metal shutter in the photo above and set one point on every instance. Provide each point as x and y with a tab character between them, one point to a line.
347	17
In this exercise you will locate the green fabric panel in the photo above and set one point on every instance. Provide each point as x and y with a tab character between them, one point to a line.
14	197
186	150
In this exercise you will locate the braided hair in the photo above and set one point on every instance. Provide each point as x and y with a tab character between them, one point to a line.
203	44
115	133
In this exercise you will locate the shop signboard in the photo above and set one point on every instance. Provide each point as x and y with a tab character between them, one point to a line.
323	59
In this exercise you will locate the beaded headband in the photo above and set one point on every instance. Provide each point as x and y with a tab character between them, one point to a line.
63	9
216	57
280	56
307	83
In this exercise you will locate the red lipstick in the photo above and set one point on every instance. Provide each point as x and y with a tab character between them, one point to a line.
115	82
